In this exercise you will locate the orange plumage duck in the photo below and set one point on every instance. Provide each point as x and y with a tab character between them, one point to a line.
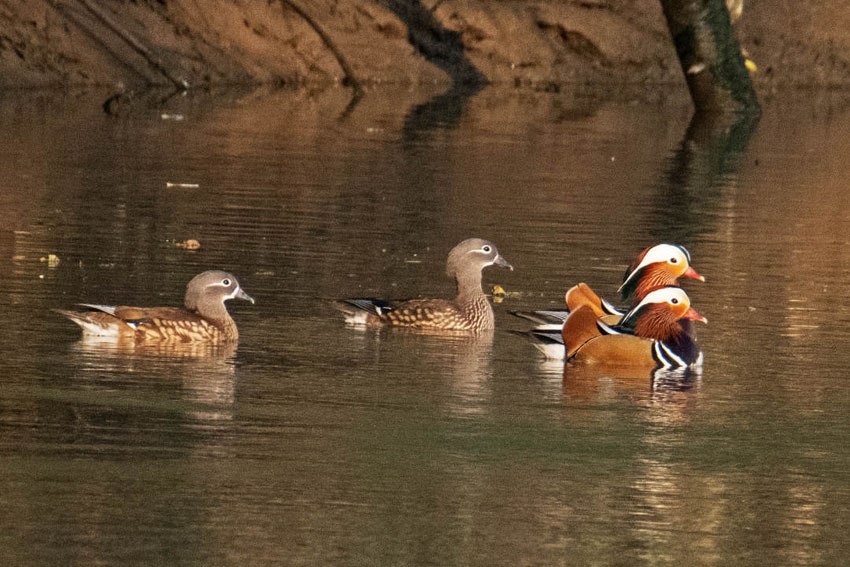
657	266
656	333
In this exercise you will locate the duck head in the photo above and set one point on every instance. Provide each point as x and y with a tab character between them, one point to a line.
661	313
209	290
657	266
473	255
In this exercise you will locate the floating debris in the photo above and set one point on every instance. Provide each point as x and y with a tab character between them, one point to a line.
51	259
175	117
499	294
190	244
182	185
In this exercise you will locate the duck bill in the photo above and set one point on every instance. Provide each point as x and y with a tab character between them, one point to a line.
694	316
242	295
692	273
502	263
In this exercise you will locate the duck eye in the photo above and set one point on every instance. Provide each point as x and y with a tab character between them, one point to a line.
225	281
674	301
674	260
486	249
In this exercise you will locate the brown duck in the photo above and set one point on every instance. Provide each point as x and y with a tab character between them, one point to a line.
469	311
204	317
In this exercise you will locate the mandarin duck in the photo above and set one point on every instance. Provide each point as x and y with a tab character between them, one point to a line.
204	317
657	266
656	333
469	311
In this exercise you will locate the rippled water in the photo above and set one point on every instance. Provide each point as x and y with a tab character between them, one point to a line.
314	443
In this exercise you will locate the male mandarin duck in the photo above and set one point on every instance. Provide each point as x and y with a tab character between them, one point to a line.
204	317
656	333
657	266
470	311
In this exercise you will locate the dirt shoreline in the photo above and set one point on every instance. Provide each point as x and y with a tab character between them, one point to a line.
539	44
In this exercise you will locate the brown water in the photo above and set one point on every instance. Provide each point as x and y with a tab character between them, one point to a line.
318	444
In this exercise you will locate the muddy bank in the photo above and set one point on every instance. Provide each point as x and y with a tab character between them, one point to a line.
540	44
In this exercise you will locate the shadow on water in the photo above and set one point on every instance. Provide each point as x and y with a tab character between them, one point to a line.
442	111
696	174
445	49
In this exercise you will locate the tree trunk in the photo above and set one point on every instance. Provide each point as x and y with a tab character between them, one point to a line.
710	56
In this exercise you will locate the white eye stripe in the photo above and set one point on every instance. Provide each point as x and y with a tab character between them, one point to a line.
659	253
227	285
664	295
662	253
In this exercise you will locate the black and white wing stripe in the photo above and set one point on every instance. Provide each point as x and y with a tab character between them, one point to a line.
665	357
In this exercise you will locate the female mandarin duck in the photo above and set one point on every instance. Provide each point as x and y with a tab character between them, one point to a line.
657	266
204	317
469	311
656	333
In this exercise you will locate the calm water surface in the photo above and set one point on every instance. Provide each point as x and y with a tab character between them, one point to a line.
318	444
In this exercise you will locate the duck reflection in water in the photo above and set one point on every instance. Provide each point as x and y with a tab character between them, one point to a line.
206	372
673	390
457	367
